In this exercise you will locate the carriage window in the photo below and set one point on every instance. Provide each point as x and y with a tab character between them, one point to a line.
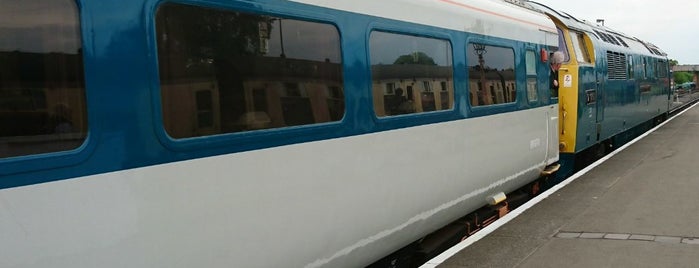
42	89
490	68
225	71
415	67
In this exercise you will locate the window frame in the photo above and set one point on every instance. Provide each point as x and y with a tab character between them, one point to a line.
260	135
77	104
580	47
80	153
258	139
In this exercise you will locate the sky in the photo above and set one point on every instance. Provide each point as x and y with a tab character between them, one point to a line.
669	24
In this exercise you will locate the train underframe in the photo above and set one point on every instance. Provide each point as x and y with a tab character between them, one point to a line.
572	163
421	251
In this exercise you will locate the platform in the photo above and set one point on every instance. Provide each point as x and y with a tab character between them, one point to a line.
638	208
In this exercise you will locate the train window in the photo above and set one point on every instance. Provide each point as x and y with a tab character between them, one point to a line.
414	66
578	41
42	88
530	58
490	68
224	71
562	45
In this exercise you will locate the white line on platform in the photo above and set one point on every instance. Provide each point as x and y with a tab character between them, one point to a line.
516	212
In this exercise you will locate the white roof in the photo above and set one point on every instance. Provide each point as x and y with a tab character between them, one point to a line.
488	17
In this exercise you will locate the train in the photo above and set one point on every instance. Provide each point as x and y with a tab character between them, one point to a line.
292	133
615	87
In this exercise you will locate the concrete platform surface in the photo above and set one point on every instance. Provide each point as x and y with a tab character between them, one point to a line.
640	208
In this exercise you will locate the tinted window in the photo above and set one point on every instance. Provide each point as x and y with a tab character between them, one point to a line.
225	71
42	90
491	74
410	74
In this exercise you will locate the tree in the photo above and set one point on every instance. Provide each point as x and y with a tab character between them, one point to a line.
415	58
682	77
673	63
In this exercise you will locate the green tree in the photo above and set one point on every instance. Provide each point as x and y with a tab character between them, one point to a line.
673	62
682	77
415	58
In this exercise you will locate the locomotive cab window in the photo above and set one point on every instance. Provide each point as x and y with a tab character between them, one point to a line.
42	89
581	52
491	74
410	74
225	71
562	45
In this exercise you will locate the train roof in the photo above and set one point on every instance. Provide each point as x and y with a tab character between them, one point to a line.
492	18
603	33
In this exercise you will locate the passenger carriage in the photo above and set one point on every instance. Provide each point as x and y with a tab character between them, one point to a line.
258	133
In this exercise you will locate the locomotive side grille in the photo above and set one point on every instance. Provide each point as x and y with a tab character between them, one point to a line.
622	41
602	36
616	66
612	39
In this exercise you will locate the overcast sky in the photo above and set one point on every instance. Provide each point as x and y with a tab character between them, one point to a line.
669	24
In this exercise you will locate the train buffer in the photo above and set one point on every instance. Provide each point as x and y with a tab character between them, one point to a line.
636	209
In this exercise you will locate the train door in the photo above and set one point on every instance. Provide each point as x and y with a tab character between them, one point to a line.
567	95
599	102
590	80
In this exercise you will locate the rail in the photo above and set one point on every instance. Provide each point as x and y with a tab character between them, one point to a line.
682	98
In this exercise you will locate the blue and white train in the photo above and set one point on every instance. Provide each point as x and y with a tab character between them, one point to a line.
261	133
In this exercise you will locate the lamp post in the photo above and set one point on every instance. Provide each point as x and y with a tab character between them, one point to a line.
281	39
482	93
